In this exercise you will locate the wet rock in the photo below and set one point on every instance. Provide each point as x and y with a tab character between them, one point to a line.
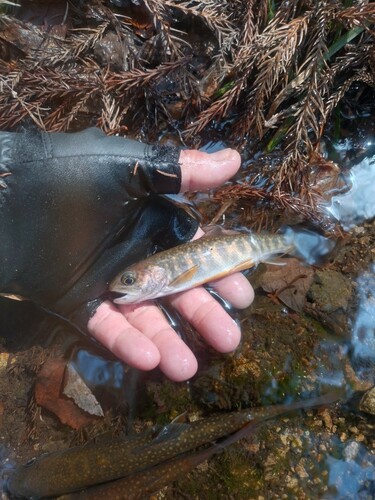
351	450
331	291
329	298
367	403
112	52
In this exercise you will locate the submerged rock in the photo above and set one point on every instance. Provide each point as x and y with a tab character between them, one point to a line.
367	403
331	290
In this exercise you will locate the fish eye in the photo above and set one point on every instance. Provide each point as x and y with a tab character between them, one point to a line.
30	462
128	279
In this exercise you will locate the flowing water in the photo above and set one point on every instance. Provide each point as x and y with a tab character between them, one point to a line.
288	352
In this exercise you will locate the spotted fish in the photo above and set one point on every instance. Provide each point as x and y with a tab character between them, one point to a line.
100	462
195	263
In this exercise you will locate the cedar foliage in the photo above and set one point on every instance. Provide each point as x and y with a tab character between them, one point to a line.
266	73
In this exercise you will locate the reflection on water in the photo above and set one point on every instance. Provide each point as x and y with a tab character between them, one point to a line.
358	203
6	464
98	371
359	347
114	384
363	334
333	354
353	476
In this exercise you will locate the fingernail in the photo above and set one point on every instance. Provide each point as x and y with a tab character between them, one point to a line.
224	154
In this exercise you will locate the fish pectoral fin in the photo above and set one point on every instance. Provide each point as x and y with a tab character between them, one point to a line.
180	419
184	277
13	296
170	431
274	262
167	433
244	265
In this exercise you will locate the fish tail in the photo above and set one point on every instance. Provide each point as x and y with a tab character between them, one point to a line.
310	246
263	415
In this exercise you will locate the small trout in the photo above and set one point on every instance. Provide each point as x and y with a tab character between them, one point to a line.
77	468
195	263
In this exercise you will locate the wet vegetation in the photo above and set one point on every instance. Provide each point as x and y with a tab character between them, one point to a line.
264	75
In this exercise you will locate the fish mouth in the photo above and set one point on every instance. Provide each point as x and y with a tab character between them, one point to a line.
125	298
117	297
129	298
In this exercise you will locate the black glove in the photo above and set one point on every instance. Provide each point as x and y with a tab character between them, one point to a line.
76	208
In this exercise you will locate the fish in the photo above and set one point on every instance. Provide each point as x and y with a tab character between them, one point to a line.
80	467
196	263
146	482
155	478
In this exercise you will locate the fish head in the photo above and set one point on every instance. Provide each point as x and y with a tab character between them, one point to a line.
25	481
137	284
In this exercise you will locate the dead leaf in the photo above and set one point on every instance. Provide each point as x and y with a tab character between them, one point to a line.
76	389
48	394
290	283
4	361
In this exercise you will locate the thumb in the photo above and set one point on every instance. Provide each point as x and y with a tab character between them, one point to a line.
200	171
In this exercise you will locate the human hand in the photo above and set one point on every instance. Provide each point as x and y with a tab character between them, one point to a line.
76	209
140	335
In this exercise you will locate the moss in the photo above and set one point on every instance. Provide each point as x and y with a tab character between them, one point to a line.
166	401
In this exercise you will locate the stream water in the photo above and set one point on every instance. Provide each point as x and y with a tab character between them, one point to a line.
286	354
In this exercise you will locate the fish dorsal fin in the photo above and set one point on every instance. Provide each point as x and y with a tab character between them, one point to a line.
185	276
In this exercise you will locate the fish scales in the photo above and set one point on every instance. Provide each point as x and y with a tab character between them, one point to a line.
76	468
63	472
195	263
146	482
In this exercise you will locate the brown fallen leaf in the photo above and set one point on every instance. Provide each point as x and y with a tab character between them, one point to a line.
4	361
289	283
48	394
76	389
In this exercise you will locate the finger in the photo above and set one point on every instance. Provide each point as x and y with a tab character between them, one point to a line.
177	361
235	289
207	316
109	327
204	171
